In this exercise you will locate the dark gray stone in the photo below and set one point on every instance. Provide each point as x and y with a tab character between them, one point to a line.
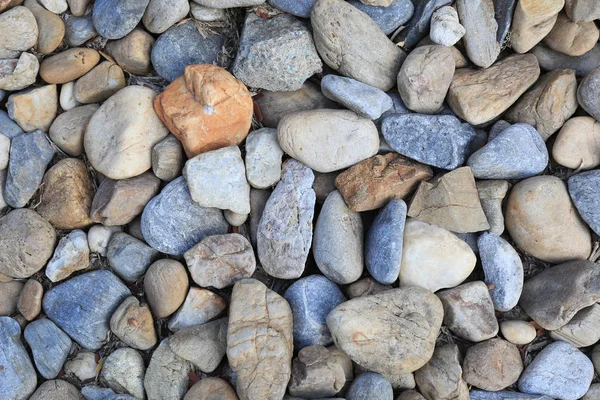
584	189
258	201
518	152
438	140
182	45
18	378
559	371
418	27
363	99
8	127
588	93
388	18
30	154
483	395
49	345
172	222
497	129
129	257
311	299
551	59
82	306
79	30
299	8
114	19
383	247
504	10
370	386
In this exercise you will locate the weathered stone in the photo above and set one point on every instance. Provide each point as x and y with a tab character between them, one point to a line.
532	21
491	193
17	74
133	324
123	370
203	345
199	307
9	297
167	374
50	26
132	52
160	16
114	19
481	31
68	128
99	84
30	299
419	25
99	237
72	254
446	29
363	99
582	330
19	378
68	65
576	144
388	18
129	257
168	158
34	109
572	38
518	332
582	10
79	30
56	390
49	345
441	377
19	32
165	284
211	388
492	365
263	158
83	366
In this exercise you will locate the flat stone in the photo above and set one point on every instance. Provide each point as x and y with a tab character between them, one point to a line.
576	145
582	330
133	324
34	109
550	59
49	345
99	84
582	10
389	18
168	158
284	233
133	52
72	254
166	286
17	74
114	19
446	28
79	30
68	65
587	93
518	332
83	305
434	258
584	189
572	38
532	21
263	158
123	370
160	16
199	307
83	366
491	193
419	25
30	299
50	26
56	390
559	371
203	345
99	237
129	257
68	129
481	31
492	365
9	296
365	100
370	385
19	378
211	389
441	378
19	32
167	374
504	10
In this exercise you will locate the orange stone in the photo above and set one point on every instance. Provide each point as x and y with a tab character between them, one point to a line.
206	108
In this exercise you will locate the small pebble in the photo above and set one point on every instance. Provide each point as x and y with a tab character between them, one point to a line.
576	144
68	65
316	372
83	366
99	84
30	299
518	332
167	374
582	330
419	25
207	14
68	128
129	257
133	324
200	306
211	388
19	31
165	285
56	390
51	27
441	377
480	31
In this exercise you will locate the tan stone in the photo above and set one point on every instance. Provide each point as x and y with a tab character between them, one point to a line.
66	195
30	299
18	31
6	4
99	84
518	332
492	365
532	21
51	27
34	109
133	324
366	286
543	222
372	183
460	61
572	38
577	145
206	109
480	95
211	389
132	52
549	103
316	373
9	297
166	285
441	378
68	65
68	129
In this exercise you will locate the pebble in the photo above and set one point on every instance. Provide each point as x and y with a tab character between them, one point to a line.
370	386
79	30
543	222
234	219
491	194
284	233
133	52
127	118
83	366
207	14
316	373
367	101
532	21
550	102
68	65
19	378
568	288
492	365
67	97
263	158
123	370
518	332
49	345
29	303
276	54
258	201
480	95
311	299
576	145
558	371
71	254
8	127
83	305
114	19
56	390
133	324
17	74
129	257
338	242
550	59
481	28
203	345
167	374
587	93
448	260
374	182
582	10
34	109
183	45
572	38
389	18
262	363
99	237
9	297
19	32
445	26
441	378
211	388
26	243
68	128
165	284
582	330
583	189
219	261
168	158
50	26
99	84
196	117
419	24
160	16
200	306
345	37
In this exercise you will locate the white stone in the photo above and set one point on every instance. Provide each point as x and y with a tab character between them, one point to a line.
4	151
17	74
263	158
200	306
445	27
433	257
55	6
235	219
72	254
99	236
83	366
67	96
518	332
123	370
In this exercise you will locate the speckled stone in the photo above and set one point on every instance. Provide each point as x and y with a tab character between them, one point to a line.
49	345
370	386
129	257
18	377
114	19
363	99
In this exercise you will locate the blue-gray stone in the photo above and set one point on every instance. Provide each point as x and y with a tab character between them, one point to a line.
114	19
49	345
383	247
503	13
8	127
438	140
311	299
363	99
388	18
418	27
584	189
82	306
470	238
30	154
503	268
299	8
129	257
588	93
483	395
18	378
79	30
551	59
182	45
172	222
497	129
2	94
93	392
370	386
518	152
559	371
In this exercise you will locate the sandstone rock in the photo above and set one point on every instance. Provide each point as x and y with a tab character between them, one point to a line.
72	254
19	377
479	96
132	52
34	109
123	370
203	345
168	158
165	284
587	93
167	374
481	31
114	19
363	99
160	16
259	341
532	21
83	366
99	237
68	128
582	10
30	299
263	158
441	378
17	74
133	324
575	145
56	390
129	257
99	84
445	27
492	365
518	332
491	193
19	31
572	38
210	388
67	97
68	65
582	330
49	345
50	26
199	307
543	222
9	297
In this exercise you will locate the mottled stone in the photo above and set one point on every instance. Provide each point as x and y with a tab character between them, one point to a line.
582	330
72	254
200	306
8	127
572	38
588	92
168	158
123	370
30	299
34	109
315	372
532	21
68	128
203	345
129	257
114	19
365	287
19	32
133	324
441	377
446	28
492	365
481	31
207	14
49	345
166	284
17	74
365	100
167	374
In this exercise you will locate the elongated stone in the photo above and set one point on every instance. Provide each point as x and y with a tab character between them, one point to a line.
18	377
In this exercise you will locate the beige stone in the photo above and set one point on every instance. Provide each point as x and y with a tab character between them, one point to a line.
211	389
133	324
9	297
132	52
51	27
582	10
441	378
491	193
18	30
577	145
572	38
532	21
166	285
168	158
99	84
518	332
30	299
68	129
480	40
17	74
582	330
34	109
460	61
68	65
315	373
492	365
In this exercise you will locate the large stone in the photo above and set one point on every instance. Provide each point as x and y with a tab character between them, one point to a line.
168	158
441	378
167	374
532	21
263	158
572	38
363	99
316	372
34	109
17	74
72	254
166	285
160	16
481	31
480	95
18	32
123	370
576	145
106	79
68	65
551	59
587	93
543	222
68	129
392	333
584	189
129	257
133	324
19	378
114	19
50	26
492	365
345	37
582	10
259	341
82	306
132	52
49	345
199	307
582	330
203	345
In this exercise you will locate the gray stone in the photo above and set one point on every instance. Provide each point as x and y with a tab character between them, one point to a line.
199	307
72	254
370	386
276	53
383	247
167	374
258	201
503	270
481	31
588	93
441	377
56	390
483	395
263	158
79	30
445	26
504	10
551	59
584	189
93	392
202	345
114	19
8	127
18	378
388	18
18	31
438	140
559	371
496	129
82	306
316	373
284	233
518	152
299	8
49	345
30	154
172	222
207	14
123	370
365	100
418	27
229	3
582	10
311	299
491	193
582	330
129	257
168	158
182	45
160	16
